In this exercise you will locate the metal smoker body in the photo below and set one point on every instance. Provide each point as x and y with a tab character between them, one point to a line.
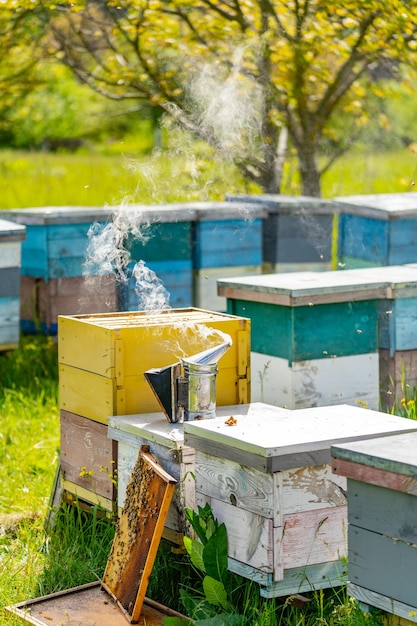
187	390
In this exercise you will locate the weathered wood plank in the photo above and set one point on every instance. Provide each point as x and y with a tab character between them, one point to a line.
88	456
239	485
382	510
375	476
289	491
250	536
311	488
382	564
307	578
76	492
391	606
310	537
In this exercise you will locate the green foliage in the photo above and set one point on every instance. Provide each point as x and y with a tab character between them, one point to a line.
209	555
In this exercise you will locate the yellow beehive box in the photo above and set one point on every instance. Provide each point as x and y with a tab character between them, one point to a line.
103	357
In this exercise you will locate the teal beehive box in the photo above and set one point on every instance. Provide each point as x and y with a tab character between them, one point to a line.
227	241
329	337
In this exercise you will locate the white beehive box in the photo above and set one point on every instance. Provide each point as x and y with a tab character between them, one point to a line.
268	478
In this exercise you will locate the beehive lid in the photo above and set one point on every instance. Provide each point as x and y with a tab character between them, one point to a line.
307	288
39	216
153	427
279	439
156	319
288	205
9	231
381	206
395	453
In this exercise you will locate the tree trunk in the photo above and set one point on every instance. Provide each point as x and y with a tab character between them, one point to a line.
309	171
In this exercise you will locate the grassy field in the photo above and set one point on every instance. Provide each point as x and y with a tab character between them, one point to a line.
42	179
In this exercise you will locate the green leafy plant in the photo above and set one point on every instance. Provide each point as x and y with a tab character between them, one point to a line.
211	606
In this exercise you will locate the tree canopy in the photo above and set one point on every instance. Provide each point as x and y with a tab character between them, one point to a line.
21	31
244	75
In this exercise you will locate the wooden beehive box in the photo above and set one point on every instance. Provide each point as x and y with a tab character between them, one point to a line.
227	241
88	459
322	338
165	245
52	272
377	229
398	337
382	509
298	233
314	336
102	358
11	238
267	475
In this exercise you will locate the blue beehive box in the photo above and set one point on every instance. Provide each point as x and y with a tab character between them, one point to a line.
227	241
298	233
11	237
377	230
53	265
382	534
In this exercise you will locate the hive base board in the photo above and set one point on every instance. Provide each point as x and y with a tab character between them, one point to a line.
371	600
88	605
306	578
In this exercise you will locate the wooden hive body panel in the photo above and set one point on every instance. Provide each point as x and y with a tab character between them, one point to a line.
88	457
382	504
226	243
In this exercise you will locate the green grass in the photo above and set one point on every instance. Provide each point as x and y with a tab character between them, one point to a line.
41	179
179	174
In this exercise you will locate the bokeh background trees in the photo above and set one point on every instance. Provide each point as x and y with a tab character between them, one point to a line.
258	81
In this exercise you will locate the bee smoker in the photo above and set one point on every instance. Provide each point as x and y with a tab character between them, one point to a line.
187	390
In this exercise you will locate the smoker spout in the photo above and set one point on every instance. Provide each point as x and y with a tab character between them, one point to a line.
210	356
